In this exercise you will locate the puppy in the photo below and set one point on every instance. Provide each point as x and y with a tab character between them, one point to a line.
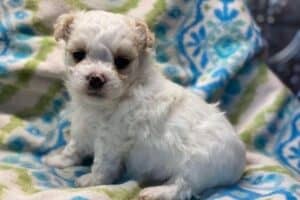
130	117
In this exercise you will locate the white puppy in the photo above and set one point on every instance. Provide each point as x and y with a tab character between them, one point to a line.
130	117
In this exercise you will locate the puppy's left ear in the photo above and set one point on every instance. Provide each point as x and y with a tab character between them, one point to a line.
145	37
62	28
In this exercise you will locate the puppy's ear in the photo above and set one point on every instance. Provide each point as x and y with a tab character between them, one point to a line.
145	37
62	27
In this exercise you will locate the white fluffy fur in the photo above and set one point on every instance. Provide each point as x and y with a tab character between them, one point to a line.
160	132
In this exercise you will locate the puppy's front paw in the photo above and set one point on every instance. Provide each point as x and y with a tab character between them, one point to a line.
154	193
58	160
85	180
91	179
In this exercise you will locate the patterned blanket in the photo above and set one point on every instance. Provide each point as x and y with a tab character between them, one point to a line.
209	46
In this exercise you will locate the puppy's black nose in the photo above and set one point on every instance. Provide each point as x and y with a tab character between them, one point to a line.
96	82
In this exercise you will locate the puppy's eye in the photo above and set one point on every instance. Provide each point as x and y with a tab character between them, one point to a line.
79	55
121	62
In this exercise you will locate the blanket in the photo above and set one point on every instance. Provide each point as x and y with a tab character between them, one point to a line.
210	47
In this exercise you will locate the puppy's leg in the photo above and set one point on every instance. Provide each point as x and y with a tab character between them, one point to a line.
66	158
105	169
173	190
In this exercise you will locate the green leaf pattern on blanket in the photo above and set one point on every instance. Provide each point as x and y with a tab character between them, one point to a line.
24	180
24	75
43	102
262	118
2	190
269	168
158	8
9	127
37	24
129	4
249	94
77	4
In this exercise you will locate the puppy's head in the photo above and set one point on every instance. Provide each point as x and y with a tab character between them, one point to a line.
104	53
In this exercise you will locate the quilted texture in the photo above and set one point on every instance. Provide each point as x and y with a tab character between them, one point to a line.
209	46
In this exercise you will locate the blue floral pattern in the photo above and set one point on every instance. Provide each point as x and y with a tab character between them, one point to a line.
14	42
225	41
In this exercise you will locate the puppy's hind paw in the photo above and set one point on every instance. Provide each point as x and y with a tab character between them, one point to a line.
154	193
166	192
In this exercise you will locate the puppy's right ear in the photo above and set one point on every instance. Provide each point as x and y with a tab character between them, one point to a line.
62	27
144	35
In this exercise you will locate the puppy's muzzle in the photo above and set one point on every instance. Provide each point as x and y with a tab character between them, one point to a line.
95	81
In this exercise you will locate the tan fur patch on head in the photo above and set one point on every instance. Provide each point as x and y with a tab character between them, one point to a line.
62	28
145	36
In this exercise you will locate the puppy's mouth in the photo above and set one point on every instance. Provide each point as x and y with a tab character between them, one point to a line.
95	93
